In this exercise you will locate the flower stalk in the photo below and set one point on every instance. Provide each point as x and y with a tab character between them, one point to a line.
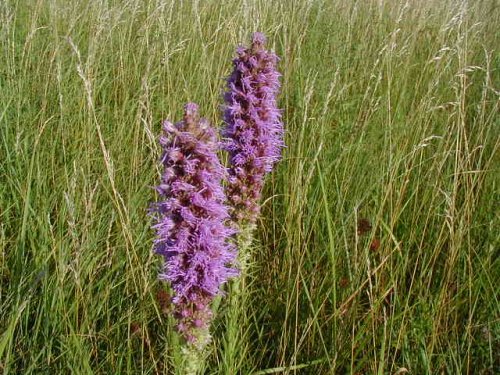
191	231
253	138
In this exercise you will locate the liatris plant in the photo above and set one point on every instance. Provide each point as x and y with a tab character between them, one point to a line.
253	133
254	129
190	227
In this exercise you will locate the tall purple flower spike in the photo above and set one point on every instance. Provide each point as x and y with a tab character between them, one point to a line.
189	221
254	130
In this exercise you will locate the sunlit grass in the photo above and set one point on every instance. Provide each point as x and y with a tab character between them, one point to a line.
392	115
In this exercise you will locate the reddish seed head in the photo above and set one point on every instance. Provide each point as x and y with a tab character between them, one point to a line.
135	328
364	226
375	244
163	299
344	282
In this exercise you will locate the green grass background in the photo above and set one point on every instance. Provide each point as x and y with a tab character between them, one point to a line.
391	111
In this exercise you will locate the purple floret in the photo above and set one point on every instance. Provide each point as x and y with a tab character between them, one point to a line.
254	130
189	221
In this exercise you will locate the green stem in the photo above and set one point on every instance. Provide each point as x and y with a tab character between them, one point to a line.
235	340
194	360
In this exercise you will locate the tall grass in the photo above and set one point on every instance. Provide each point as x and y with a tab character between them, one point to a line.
392	117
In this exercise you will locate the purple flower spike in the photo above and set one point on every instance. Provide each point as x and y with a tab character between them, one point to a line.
253	129
189	221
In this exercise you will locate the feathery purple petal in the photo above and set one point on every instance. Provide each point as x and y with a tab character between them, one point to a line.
254	130
189	221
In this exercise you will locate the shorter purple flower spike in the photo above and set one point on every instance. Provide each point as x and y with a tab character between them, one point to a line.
253	129
189	221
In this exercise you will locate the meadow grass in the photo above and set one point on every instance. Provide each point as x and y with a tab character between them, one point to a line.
378	247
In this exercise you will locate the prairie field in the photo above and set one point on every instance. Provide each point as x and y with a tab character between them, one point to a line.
378	246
